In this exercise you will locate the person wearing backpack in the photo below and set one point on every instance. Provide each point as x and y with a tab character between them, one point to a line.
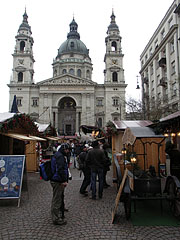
58	182
86	171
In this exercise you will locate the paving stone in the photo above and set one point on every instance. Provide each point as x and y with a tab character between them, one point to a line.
86	219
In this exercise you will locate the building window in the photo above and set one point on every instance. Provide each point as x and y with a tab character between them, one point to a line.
157	63
35	102
151	69
115	102
99	102
150	51
72	44
64	71
20	77
100	122
156	44
79	72
19	102
173	68
55	72
114	46
146	57
88	74
162	34
22	46
170	22
114	76
174	90
172	46
175	107
71	71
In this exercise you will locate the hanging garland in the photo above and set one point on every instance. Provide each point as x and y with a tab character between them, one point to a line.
19	121
111	129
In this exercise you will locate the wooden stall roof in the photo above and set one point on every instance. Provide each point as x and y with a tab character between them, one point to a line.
131	134
122	125
5	116
171	116
52	138
23	137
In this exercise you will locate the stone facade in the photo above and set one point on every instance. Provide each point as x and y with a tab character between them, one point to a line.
160	66
70	98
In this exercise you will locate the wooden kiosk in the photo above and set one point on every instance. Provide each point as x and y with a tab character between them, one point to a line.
148	147
18	136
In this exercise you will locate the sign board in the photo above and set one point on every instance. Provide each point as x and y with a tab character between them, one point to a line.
119	194
11	175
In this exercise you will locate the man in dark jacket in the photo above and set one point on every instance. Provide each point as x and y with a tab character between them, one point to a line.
59	181
96	160
86	171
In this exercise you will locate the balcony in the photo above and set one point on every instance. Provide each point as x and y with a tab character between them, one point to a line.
163	82
162	62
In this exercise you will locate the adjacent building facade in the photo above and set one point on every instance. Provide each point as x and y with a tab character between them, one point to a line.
160	67
70	98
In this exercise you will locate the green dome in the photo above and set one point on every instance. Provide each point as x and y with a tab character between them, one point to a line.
73	46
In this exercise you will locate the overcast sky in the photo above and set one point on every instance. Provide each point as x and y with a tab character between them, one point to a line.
50	19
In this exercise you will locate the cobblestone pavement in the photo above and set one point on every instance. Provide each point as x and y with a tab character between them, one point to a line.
86	219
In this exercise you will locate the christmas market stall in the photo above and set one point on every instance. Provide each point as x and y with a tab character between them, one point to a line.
18	136
170	127
116	129
46	149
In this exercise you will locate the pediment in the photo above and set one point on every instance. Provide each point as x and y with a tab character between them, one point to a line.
66	80
20	69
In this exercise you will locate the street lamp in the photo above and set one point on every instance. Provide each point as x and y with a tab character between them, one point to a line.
138	87
133	161
123	151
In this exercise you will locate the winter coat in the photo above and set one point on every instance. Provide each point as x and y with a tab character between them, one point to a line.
59	168
96	159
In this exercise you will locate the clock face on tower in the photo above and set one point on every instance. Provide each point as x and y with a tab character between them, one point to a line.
114	61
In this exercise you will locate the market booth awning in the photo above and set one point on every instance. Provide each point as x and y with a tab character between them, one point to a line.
131	134
23	137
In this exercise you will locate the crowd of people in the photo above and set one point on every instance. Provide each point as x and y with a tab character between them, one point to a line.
95	163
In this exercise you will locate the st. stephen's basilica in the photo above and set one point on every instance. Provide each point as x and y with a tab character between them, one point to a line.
70	98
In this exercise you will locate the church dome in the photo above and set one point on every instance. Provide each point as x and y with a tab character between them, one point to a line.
73	44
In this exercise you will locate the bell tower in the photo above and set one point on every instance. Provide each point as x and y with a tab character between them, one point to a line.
23	59
114	72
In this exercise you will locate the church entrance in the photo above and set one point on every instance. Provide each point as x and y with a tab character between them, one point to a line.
67	116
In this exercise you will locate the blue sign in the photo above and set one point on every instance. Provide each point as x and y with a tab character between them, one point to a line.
11	175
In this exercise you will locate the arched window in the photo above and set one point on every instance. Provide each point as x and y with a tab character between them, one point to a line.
71	71
100	122
114	46
88	74
22	46
72	44
55	72
20	77
64	71
79	72
114	76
